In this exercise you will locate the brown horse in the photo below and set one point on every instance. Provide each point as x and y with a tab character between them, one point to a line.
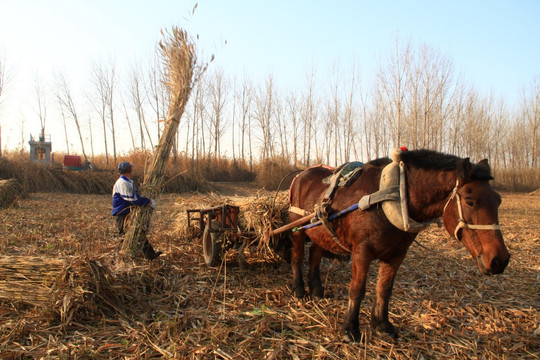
437	185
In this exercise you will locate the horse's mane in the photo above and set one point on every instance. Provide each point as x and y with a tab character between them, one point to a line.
424	159
433	160
429	159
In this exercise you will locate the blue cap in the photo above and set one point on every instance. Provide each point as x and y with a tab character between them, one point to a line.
124	167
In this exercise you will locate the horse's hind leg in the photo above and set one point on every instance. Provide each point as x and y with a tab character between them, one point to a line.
357	290
314	274
385	282
298	239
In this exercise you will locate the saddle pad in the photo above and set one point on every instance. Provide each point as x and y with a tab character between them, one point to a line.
346	172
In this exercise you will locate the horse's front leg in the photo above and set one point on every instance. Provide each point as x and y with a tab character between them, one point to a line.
297	258
357	290
314	273
385	283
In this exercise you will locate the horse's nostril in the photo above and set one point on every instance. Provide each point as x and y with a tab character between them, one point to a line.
497	266
495	263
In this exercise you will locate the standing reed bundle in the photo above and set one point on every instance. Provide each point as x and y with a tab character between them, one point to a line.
178	54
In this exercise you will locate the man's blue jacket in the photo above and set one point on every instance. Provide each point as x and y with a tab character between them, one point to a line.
124	196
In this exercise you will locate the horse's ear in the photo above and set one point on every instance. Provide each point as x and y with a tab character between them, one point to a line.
486	173
484	163
463	170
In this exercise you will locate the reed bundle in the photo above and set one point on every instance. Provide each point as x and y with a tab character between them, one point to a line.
180	308
35	177
28	279
178	54
10	190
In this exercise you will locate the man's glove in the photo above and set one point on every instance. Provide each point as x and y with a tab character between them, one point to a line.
153	204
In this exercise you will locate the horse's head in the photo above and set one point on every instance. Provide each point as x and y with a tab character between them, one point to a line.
471	215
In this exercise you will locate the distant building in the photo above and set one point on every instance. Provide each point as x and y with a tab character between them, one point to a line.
40	150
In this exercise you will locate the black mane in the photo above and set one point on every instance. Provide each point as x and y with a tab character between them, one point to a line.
425	159
429	159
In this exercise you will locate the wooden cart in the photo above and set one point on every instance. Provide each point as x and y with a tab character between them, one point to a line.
216	221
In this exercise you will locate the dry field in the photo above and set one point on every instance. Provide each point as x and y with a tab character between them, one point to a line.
66	293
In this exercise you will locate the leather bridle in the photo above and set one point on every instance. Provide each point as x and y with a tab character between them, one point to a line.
462	224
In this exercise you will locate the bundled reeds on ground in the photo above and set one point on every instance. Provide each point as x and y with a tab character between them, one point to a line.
10	191
36	177
177	307
28	279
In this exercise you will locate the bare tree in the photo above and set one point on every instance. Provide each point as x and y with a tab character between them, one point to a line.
293	112
245	100
66	102
498	135
429	81
64	124
138	96
100	99
129	125
281	127
157	93
530	112
196	137
264	102
5	79
111	86
91	138
217	97
392	88
41	106
331	137
349	113
308	115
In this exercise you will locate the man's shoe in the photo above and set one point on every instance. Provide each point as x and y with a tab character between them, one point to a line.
156	255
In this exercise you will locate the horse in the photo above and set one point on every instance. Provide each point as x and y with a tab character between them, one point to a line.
435	185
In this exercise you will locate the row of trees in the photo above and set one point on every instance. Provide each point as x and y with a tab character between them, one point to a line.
413	99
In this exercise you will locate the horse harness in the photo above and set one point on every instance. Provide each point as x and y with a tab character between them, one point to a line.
392	194
387	193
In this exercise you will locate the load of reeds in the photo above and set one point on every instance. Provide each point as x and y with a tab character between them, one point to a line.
259	213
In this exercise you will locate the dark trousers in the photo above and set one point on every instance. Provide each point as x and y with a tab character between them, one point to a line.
147	248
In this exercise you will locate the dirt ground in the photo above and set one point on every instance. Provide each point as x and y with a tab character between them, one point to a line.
177	307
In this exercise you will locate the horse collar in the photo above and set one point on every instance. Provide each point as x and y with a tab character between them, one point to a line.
397	211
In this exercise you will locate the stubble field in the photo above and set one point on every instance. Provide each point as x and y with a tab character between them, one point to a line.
66	293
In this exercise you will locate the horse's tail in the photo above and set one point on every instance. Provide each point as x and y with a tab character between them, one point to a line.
281	183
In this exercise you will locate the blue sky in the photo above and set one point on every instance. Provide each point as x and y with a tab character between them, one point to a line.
494	45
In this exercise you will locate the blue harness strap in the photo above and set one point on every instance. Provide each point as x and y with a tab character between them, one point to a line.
391	193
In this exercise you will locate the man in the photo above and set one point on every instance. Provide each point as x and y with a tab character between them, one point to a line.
123	197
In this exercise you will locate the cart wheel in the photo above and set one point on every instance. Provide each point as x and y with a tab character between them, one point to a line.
212	244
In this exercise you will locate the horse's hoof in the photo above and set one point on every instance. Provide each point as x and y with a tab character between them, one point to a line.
299	293
351	336
317	293
386	328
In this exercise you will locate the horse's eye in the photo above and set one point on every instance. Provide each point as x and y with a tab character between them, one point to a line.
469	202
